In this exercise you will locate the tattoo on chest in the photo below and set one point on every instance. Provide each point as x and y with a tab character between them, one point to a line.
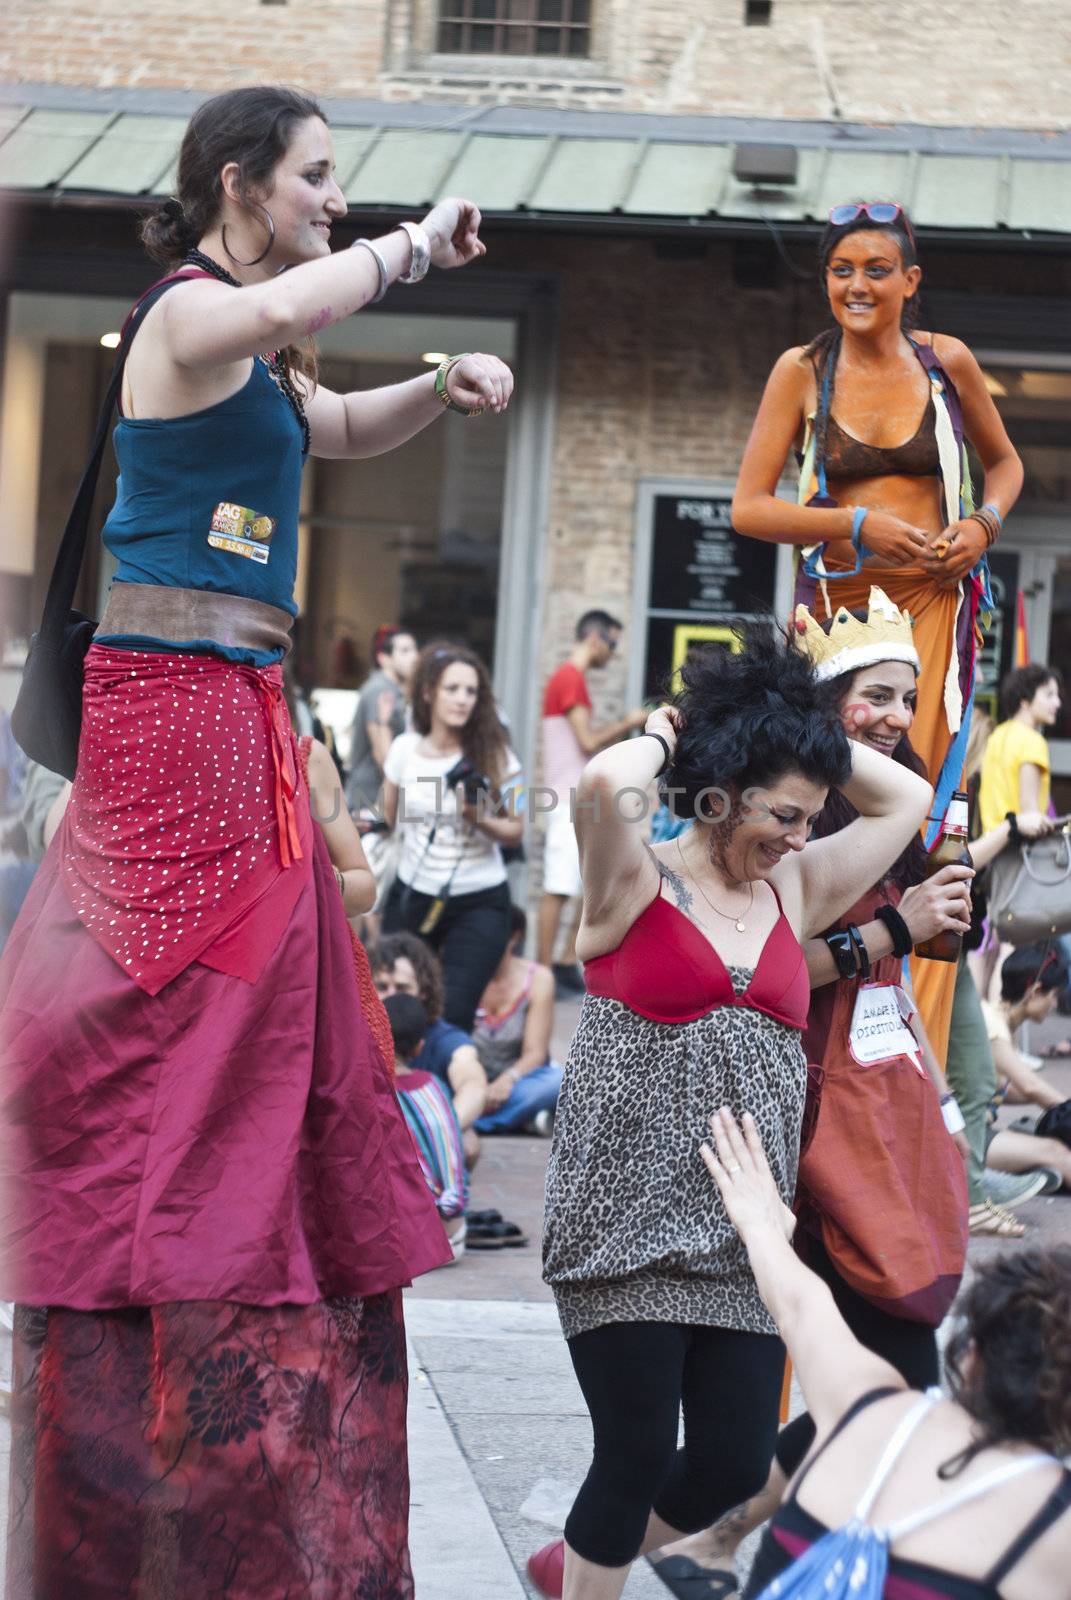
681	893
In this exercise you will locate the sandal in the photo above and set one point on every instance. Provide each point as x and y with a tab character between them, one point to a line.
481	1219
689	1581
986	1220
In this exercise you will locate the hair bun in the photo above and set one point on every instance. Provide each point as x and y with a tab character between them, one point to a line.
167	233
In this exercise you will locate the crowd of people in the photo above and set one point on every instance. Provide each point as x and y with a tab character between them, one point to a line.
260	1014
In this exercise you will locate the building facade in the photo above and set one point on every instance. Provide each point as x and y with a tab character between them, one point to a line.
654	179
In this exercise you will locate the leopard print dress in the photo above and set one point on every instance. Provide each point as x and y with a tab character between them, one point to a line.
635	1230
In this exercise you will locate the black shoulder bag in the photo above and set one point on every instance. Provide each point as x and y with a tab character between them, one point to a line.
47	716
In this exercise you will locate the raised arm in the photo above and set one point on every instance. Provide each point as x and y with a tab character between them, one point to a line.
828	875
833	1368
612	809
207	324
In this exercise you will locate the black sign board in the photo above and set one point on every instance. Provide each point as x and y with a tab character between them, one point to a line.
704	579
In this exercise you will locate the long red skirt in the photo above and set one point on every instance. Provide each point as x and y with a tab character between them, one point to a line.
189	1451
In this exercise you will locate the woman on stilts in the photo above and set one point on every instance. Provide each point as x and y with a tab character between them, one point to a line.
211	1199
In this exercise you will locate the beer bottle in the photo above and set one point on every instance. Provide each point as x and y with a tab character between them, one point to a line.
951	848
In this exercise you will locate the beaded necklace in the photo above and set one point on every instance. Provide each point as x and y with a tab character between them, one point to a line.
278	370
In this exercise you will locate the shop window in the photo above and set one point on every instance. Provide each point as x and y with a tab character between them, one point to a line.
560	28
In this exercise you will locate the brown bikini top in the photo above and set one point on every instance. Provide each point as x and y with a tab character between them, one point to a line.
847	457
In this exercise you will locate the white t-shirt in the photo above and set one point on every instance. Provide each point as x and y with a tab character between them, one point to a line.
436	841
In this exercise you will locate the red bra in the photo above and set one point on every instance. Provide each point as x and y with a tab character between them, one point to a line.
667	970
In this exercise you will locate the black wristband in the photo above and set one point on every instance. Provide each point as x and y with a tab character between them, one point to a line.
899	932
861	950
1014	836
843	952
665	746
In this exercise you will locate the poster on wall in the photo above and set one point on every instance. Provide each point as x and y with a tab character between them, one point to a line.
697	579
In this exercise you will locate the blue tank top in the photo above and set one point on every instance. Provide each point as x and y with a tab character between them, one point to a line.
210	501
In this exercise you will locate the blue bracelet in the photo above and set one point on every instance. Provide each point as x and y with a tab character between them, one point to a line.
858	518
989	506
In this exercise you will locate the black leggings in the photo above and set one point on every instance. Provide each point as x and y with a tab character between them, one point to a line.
635	1378
910	1347
470	937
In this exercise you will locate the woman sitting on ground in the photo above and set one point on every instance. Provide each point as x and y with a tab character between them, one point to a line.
512	1039
975	1503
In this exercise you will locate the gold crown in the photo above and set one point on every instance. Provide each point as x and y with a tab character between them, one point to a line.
851	644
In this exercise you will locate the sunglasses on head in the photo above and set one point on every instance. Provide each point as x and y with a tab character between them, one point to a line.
880	211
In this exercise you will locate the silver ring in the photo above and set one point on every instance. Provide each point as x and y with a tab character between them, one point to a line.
734	1169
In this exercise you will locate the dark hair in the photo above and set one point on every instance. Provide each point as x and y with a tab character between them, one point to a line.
384	637
747	718
838	811
483	738
253	127
1029	964
408	1023
1016	1319
1023	683
597	622
383	953
824	350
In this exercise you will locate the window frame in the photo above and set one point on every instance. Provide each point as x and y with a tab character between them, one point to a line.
506	27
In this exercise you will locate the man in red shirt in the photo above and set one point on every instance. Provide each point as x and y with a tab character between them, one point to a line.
569	740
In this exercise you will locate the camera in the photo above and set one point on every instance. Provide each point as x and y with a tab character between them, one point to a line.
465	775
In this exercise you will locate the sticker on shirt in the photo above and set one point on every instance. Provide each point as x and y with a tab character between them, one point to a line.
879	1030
241	532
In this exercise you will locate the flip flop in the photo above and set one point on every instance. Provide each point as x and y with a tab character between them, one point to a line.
689	1581
495	1236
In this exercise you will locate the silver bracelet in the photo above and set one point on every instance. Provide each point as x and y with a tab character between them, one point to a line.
418	267
381	267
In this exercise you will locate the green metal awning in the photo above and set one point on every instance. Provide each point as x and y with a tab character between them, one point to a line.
568	172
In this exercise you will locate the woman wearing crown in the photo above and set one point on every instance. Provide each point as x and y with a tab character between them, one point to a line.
878	416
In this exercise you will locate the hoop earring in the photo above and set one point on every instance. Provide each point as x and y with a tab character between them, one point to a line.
271	239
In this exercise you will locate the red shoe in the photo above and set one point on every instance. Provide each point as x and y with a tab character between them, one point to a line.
547	1569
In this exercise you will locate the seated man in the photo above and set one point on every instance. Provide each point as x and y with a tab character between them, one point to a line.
512	1039
403	964
1030	983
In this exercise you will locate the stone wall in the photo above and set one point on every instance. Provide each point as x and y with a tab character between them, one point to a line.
977	63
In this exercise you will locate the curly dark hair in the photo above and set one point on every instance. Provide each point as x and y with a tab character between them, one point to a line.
1014	1321
749	717
910	865
1023	683
383	953
253	127
824	350
483	738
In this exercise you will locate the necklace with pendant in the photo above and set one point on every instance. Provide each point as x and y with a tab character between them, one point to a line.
278	370
738	920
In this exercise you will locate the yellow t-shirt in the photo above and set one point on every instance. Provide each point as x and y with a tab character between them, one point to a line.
1011	745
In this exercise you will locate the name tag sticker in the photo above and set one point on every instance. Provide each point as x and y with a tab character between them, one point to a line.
241	532
879	1030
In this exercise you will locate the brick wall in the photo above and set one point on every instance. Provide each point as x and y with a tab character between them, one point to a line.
984	62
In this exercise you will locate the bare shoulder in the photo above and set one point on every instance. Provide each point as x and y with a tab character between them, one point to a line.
951	352
793	367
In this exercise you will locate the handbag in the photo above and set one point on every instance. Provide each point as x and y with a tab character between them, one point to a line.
881	1183
1030	889
47	716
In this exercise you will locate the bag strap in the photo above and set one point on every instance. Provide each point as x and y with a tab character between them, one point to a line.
890	1455
962	1497
71	552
